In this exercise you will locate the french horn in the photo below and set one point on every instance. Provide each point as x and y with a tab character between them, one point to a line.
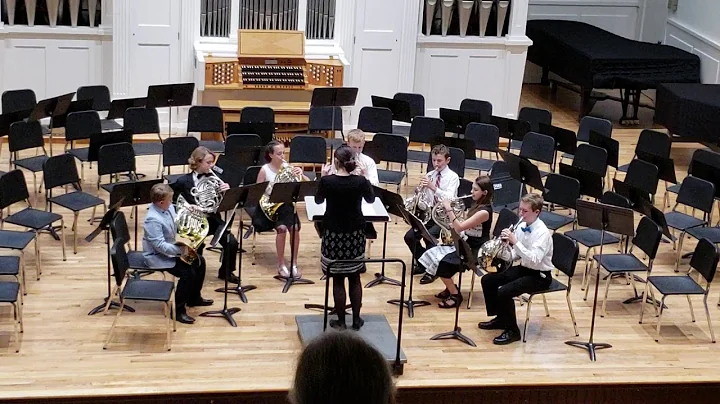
285	174
440	216
497	248
191	223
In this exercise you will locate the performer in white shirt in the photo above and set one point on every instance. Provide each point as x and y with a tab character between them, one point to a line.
531	244
440	183
366	166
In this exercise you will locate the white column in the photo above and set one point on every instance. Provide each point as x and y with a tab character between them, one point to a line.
408	45
518	18
345	34
121	48
189	31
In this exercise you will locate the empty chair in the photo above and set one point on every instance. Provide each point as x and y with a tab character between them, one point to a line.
562	191
143	120
80	126
257	115
176	152
327	119
643	176
539	148
207	119
417	108
487	139
25	136
375	120
507	189
18	100
100	96
483	108
10	293
535	117
390	148
114	159
705	157
705	262
591	158
306	149
589	123
424	130
651	142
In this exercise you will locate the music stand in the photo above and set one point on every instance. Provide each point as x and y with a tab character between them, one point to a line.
604	218
590	182
391	201
133	193
469	261
665	165
611	145
105	226
291	192
565	140
266	130
521	169
456	121
334	97
419	227
400	108
118	107
170	95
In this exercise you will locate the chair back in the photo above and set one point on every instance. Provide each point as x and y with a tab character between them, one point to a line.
647	237
375	120
642	175
264	130
391	148
321	118
599	125
60	170
481	107
120	261
705	156
565	254
251	175
230	170
485	136
499	171
416	101
205	118
257	115
538	147
506	218
99	139
177	150
13	188
426	130
100	96
25	135
535	116
705	259
561	190
139	120
591	158
308	149
116	158
697	193
654	142
615	199
119	228
81	125
18	100
234	143
457	161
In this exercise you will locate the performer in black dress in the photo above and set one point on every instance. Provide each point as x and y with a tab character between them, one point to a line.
201	162
443	261
343	234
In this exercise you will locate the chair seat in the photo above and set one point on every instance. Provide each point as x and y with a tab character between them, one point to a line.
418	156
9	265
171	178
674	189
623	169
33	218
676	285
710	233
9	292
33	164
515	144
77	201
555	286
15	240
147	148
80	154
109	125
109	187
567	156
554	221
390	177
153	290
681	221
136	260
216	146
479	164
591	237
620	263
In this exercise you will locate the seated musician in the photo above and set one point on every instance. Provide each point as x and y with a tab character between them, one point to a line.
284	218
161	252
531	244
443	261
440	183
201	162
365	165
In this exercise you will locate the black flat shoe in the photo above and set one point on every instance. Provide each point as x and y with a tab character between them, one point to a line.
493	324
507	337
233	278
200	302
358	323
427	278
336	324
185	319
451	301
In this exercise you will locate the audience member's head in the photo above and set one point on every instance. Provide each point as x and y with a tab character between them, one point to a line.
339	367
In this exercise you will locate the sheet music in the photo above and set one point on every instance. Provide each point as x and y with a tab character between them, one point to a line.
373	212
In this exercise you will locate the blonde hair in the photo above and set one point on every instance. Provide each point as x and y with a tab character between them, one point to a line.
199	155
356	136
440	149
535	201
160	192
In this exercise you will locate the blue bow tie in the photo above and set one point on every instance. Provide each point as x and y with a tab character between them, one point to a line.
526	229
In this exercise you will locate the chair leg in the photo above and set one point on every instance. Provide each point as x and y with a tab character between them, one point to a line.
652	296
605	298
572	312
38	260
75	230
110	299
22	272
707	313
692	312
16	325
642	302
583	285
527	318
472	288
662	304
62	237
168	315
679	251
547	312
253	247
117	316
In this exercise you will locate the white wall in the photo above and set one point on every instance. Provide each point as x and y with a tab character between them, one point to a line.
694	27
701	15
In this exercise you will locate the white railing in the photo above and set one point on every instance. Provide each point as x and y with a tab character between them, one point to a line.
51	12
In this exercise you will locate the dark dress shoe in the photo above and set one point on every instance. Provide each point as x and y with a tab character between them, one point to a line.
507	337
233	278
427	278
336	324
200	302
185	319
493	324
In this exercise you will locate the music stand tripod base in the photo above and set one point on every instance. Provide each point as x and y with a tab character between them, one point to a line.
239	290
457	334
224	313
289	281
590	346
381	278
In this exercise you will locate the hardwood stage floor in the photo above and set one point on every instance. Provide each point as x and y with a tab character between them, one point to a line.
61	349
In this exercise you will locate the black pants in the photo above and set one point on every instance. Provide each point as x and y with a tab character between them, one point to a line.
413	238
500	288
190	282
355	289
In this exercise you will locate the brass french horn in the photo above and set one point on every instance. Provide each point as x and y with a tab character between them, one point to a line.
285	174
192	223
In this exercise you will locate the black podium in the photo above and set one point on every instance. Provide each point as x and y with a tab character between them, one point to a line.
292	192
392	203
334	97
132	194
604	218
170	95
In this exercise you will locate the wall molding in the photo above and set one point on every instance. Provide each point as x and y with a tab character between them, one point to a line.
681	36
694	33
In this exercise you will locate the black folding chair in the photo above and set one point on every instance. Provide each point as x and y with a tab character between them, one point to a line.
320	119
587	124
563	191
486	138
424	130
176	152
306	149
143	120
119	231
257	115
540	148
81	126
481	107
100	96
644	176
565	257
707	158
390	148
704	261
535	117
235	144
26	136
10	293
114	159
417	109
457	161
18	100
375	120
507	190
207	119
652	142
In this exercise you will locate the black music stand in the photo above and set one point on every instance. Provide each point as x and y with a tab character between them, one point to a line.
590	182
611	145
391	201
118	107
133	193
665	165
292	192
105	226
400	108
456	121
604	218
565	139
419	227
266	130
521	169
170	95
334	97
469	261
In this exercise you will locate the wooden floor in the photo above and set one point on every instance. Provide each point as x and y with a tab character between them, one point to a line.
61	349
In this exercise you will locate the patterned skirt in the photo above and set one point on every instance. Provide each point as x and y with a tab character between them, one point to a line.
343	246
